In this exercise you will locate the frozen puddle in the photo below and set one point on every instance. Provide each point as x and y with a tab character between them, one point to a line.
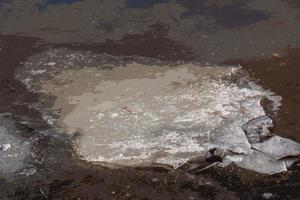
139	114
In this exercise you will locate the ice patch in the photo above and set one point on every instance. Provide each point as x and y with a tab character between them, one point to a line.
139	114
13	150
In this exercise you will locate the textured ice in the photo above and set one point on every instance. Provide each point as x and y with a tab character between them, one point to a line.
139	114
269	157
278	147
13	150
258	162
256	129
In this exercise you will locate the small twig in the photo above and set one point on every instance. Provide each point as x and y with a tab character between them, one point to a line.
127	109
43	193
207	167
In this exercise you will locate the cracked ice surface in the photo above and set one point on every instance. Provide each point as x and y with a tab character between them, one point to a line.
139	114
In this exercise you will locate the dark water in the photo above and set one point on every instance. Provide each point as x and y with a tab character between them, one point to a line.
144	3
229	15
46	3
3	3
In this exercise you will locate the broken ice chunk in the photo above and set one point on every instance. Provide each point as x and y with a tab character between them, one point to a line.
257	128
278	147
4	147
270	157
257	161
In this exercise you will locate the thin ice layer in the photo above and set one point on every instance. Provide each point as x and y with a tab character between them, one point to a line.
137	114
141	114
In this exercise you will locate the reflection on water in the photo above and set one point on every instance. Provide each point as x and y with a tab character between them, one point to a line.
3	3
144	3
46	3
226	14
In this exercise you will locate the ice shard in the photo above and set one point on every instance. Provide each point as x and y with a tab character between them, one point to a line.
256	129
278	147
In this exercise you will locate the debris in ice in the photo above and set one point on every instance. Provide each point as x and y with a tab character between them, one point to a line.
140	114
